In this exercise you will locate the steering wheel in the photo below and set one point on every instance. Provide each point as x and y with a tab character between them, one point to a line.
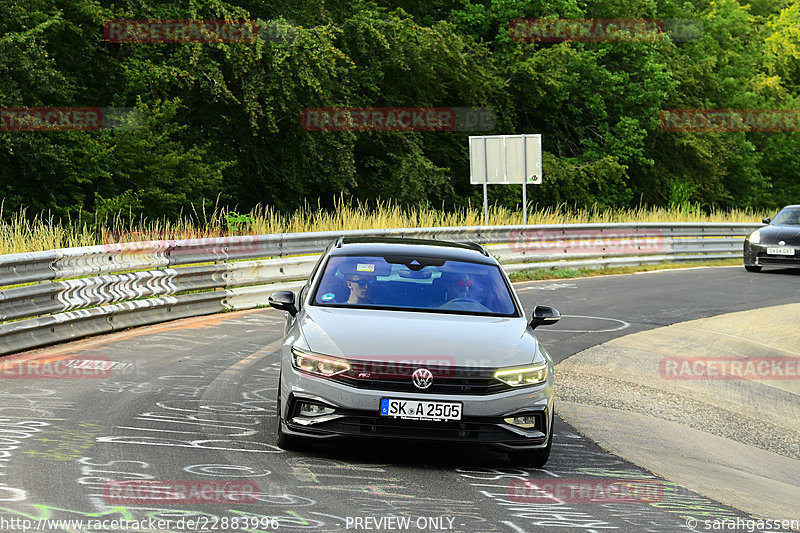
462	300
465	304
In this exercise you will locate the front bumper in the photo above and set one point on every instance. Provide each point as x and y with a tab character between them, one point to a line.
756	255
356	414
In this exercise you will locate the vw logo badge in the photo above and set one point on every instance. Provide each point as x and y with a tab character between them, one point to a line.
782	243
422	378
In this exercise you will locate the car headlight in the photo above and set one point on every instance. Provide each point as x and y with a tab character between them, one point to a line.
755	237
528	375
317	364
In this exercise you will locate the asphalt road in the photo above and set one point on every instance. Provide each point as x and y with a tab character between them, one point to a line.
194	401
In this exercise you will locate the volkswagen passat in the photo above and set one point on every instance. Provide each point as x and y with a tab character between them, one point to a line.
777	244
414	339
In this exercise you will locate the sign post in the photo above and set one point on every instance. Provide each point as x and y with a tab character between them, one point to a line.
505	160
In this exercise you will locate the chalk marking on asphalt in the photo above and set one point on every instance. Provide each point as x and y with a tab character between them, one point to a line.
550	287
624	325
100	341
549	472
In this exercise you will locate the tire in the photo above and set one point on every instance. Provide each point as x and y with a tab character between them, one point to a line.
534	458
284	441
752	268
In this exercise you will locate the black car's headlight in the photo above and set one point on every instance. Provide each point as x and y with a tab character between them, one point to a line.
321	365
521	376
754	237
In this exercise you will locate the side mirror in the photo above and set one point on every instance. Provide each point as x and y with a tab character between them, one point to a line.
544	315
284	301
767	220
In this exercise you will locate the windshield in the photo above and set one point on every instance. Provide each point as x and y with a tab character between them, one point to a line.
416	284
788	217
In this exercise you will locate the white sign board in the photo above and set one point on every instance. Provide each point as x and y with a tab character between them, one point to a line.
505	159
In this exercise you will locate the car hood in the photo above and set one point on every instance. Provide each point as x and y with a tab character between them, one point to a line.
775	234
459	340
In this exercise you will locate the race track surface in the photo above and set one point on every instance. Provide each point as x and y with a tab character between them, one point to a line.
195	400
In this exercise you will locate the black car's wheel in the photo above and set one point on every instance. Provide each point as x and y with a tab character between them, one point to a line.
752	268
284	441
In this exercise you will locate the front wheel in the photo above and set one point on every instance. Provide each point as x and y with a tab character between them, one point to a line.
752	268
534	458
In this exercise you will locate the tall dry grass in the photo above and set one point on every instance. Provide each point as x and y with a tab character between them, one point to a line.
21	233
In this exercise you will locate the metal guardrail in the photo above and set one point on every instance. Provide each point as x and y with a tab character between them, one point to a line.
60	295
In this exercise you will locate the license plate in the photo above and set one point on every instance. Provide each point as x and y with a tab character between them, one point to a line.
780	251
420	409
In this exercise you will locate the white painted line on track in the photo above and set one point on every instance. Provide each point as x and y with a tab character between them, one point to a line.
550	287
684	268
624	325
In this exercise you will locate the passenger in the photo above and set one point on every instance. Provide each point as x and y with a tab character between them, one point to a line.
359	289
456	286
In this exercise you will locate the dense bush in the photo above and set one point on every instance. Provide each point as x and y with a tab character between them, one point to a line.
220	123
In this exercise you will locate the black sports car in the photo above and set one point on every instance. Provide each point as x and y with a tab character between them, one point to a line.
777	244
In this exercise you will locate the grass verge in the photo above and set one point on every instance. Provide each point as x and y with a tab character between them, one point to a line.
23	233
569	273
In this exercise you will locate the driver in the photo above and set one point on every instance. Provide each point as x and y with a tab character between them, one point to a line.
457	286
359	289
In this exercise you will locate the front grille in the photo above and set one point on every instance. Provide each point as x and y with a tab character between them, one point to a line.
396	377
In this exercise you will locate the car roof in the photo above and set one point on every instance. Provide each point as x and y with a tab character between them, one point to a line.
471	252
788	206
